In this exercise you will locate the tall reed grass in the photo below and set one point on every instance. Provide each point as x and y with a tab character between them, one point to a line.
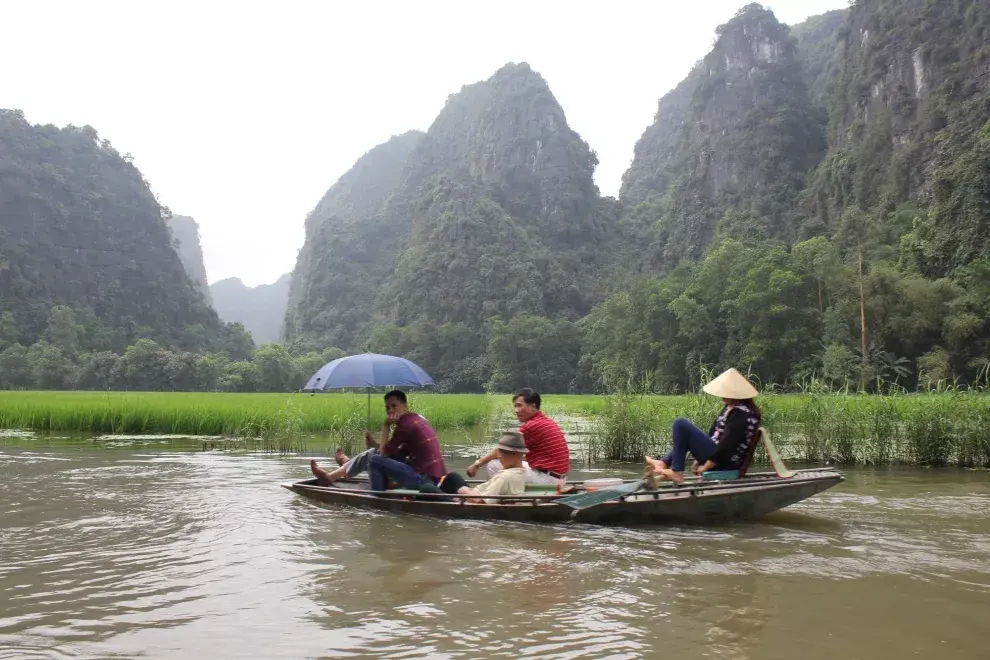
936	429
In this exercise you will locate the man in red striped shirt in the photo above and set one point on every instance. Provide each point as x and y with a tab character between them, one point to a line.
549	459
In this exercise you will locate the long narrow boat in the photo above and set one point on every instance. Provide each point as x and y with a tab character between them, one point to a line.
697	502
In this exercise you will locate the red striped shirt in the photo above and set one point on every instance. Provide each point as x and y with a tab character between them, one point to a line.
546	444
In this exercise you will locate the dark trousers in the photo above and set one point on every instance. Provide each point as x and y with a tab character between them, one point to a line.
688	438
382	469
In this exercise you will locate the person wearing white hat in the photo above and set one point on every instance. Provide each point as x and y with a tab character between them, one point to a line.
727	446
510	480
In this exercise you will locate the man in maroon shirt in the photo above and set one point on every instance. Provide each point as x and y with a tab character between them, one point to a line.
549	458
408	455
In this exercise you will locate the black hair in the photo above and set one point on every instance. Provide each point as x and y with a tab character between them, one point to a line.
396	394
529	395
749	403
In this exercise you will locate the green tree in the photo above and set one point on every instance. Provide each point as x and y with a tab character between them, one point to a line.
533	351
15	368
50	366
276	371
63	331
96	371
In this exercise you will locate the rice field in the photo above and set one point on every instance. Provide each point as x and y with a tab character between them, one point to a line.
250	415
948	428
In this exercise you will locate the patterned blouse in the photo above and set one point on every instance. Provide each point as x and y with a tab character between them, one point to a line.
735	431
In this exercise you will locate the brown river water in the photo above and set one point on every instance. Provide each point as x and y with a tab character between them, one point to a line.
157	553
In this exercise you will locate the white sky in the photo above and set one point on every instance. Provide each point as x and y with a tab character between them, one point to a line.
243	114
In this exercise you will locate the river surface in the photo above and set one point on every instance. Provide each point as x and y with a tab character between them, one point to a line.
157	553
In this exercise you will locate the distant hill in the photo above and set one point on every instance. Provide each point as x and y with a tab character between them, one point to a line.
260	309
185	233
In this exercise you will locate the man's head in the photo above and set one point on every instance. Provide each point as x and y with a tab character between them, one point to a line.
511	449
526	403
395	404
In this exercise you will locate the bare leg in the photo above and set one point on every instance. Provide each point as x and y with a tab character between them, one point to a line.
323	477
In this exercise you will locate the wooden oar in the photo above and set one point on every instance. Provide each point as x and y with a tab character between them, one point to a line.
775	460
586	500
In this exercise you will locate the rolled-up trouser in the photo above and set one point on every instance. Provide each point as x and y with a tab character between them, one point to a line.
359	463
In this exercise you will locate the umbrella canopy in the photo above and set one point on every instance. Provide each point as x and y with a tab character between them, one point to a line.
368	370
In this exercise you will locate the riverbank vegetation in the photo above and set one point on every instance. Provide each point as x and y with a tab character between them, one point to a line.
934	429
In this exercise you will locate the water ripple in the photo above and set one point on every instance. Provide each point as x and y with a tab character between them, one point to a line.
170	554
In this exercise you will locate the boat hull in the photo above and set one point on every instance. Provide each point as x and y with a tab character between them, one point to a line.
695	504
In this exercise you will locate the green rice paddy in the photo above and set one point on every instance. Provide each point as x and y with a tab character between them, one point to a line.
947	428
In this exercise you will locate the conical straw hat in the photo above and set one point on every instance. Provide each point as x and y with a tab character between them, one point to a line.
731	385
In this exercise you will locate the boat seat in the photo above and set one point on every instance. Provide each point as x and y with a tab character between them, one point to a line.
720	475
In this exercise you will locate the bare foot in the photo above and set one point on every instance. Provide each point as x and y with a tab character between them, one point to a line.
340	456
654	472
322	476
657	465
676	477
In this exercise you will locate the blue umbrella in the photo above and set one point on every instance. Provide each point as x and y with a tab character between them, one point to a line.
368	370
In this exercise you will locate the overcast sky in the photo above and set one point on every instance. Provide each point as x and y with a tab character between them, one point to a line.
243	114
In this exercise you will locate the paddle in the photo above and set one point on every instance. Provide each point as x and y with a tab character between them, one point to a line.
587	500
775	459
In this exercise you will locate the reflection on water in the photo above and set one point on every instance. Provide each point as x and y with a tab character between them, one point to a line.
149	553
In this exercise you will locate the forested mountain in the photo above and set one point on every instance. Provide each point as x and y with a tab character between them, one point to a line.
79	227
810	202
350	248
880	269
729	150
495	216
909	124
260	309
820	50
185	239
811	205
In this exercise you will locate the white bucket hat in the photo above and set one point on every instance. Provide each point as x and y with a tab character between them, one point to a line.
731	385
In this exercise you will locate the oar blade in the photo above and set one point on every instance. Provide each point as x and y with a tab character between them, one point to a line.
775	459
594	498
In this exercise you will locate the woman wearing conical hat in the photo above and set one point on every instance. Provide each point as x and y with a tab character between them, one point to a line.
727	446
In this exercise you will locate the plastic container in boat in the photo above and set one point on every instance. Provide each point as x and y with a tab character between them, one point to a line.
596	484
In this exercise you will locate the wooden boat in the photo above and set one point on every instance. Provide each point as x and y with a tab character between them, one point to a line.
696	502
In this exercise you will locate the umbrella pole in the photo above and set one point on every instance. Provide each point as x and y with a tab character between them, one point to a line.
369	410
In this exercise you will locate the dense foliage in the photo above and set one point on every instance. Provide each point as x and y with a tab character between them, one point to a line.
72	354
878	273
260	309
79	226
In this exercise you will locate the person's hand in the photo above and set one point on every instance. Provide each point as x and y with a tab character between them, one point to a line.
368	437
472	470
696	469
